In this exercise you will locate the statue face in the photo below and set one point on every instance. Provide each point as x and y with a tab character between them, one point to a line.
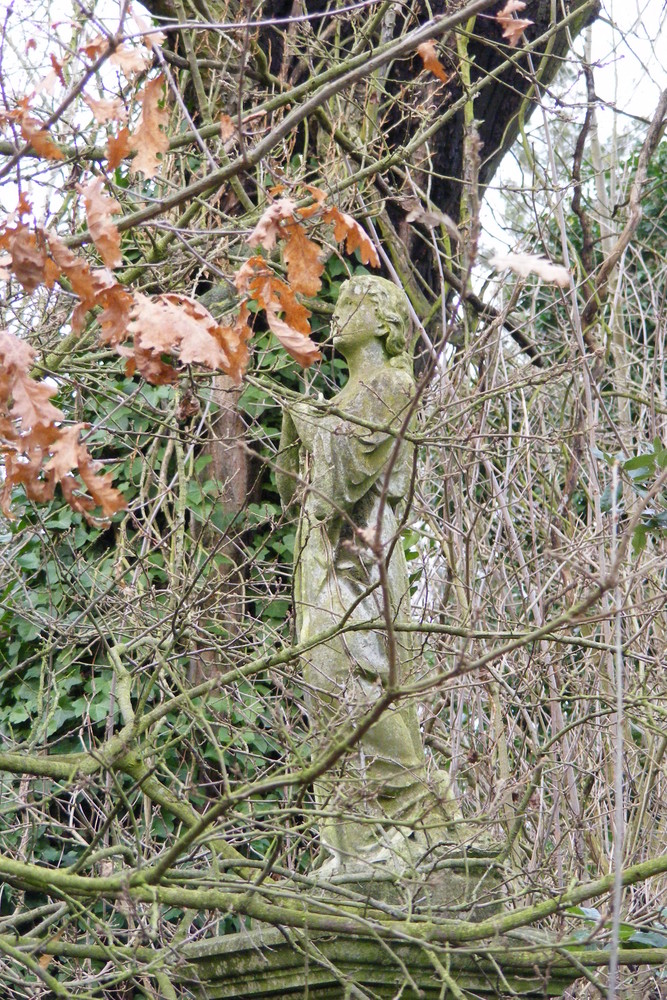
355	319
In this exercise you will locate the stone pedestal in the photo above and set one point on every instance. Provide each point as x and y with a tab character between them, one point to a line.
273	964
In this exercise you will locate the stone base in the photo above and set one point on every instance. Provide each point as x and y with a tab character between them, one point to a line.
460	887
273	964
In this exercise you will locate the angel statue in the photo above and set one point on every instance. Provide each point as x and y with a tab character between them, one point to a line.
350	464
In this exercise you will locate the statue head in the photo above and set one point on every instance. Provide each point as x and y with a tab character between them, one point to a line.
369	306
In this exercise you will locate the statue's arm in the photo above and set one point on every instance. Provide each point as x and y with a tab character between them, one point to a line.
287	461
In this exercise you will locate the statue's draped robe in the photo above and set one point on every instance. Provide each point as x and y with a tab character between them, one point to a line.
354	474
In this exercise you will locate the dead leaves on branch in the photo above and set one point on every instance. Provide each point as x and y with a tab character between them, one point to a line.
38	452
32	131
176	324
513	27
286	317
348	229
104	111
257	281
154	334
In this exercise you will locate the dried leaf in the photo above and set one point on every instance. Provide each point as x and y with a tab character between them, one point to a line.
107	110
69	453
31	402
170	324
431	62
39	139
54	76
118	147
28	257
348	229
257	281
95	47
47	84
15	354
38	451
301	348
524	264
24	206
149	140
100	488
513	27
57	69
319	197
99	209
236	339
130	60
227	128
303	261
269	227
152	38
79	275
65	452
115	317
150	367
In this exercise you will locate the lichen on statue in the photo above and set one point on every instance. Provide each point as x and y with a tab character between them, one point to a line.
352	471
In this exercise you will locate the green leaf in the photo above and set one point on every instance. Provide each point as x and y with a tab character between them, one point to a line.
651	938
29	558
27	630
640	462
585	912
639	540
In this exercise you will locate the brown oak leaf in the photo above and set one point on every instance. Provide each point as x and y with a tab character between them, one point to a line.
348	229
513	27
428	53
28	257
269	228
32	402
95	47
15	354
299	346
118	147
103	493
65	452
130	60
80	277
115	317
39	139
149	140
303	261
107	110
176	324
319	197
99	209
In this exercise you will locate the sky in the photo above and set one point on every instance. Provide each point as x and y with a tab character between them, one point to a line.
629	59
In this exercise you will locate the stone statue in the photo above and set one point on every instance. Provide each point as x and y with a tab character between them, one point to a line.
379	803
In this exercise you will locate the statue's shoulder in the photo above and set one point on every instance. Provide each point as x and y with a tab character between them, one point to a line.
393	386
